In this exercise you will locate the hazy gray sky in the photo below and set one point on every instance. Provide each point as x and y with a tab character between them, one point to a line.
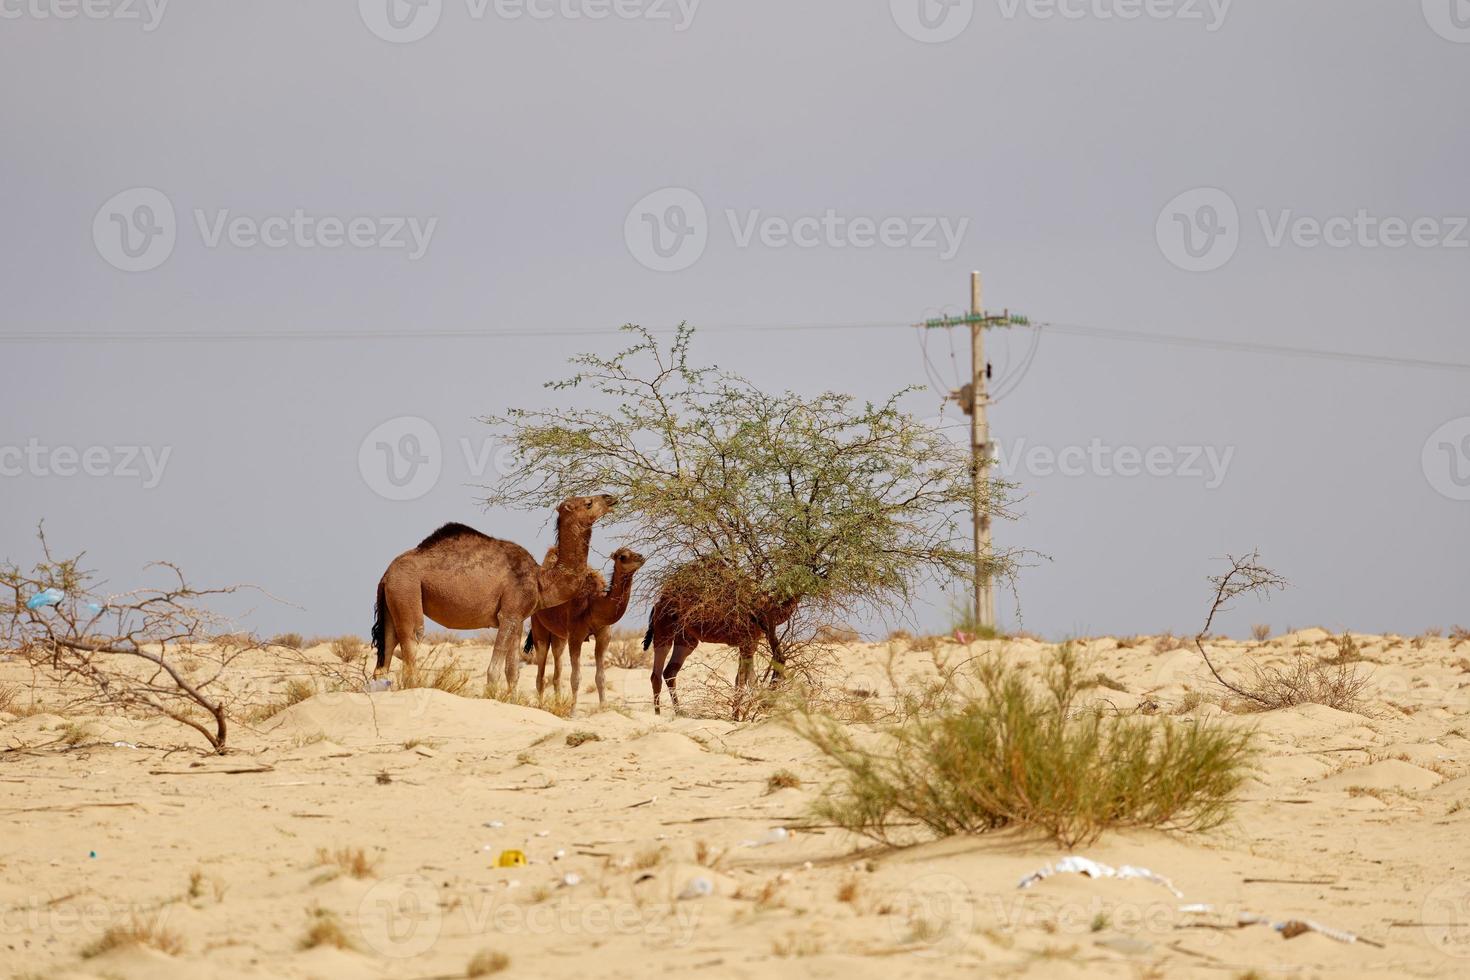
1284	173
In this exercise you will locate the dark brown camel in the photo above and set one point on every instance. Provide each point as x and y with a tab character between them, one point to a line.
681	622
591	614
462	579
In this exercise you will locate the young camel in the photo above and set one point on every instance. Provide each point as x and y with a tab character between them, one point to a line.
589	615
680	622
462	579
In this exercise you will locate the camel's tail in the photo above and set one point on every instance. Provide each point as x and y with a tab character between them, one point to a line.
529	642
380	627
648	637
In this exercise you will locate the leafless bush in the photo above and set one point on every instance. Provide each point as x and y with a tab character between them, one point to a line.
122	650
291	641
1261	632
1308	680
625	651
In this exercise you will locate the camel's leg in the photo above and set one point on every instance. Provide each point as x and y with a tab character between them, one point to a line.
660	654
574	654
603	636
558	647
390	640
507	641
541	642
671	672
406	619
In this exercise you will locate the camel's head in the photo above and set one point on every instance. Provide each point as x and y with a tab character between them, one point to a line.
626	561
585	510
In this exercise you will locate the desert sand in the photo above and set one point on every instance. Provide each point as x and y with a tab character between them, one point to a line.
1357	821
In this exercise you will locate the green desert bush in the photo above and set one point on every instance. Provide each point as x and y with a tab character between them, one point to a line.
1010	753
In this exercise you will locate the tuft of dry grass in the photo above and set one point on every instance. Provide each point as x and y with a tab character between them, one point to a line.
1012	756
349	649
138	932
297	690
1103	680
782	779
580	738
291	641
437	670
351	861
325	929
486	962
1261	632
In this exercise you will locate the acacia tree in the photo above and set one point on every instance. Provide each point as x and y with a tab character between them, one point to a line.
750	499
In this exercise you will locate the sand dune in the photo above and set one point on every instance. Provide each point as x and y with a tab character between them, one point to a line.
651	848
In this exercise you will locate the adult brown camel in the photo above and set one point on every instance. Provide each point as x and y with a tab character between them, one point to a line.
462	579
591	614
681	622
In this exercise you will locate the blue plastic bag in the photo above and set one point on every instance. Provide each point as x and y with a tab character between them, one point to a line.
49	597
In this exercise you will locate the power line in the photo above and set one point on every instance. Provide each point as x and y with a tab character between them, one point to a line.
1071	329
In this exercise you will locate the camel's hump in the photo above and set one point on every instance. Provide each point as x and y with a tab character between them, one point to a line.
451	531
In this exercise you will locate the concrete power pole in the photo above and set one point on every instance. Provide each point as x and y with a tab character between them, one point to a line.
980	452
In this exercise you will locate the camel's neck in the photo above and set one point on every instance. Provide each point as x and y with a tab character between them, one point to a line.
573	539
609	608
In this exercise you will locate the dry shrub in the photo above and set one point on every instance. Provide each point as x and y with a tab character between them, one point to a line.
441	638
349	649
297	690
487	962
8	695
438	670
1459	635
782	779
581	738
1261	632
138	932
1307	680
325	930
351	861
1009	755
291	641
1168	643
625	651
1347	651
900	636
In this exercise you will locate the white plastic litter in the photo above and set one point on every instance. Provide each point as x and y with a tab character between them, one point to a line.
697	888
571	879
493	824
1093	869
543	833
123	745
561	853
1197	907
774	836
378	686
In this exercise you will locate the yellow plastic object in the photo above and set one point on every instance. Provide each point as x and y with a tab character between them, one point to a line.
512	859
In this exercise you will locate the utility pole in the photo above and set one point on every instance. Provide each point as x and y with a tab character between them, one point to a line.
980	459
974	399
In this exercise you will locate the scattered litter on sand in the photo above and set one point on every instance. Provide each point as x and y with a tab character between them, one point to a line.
1093	869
